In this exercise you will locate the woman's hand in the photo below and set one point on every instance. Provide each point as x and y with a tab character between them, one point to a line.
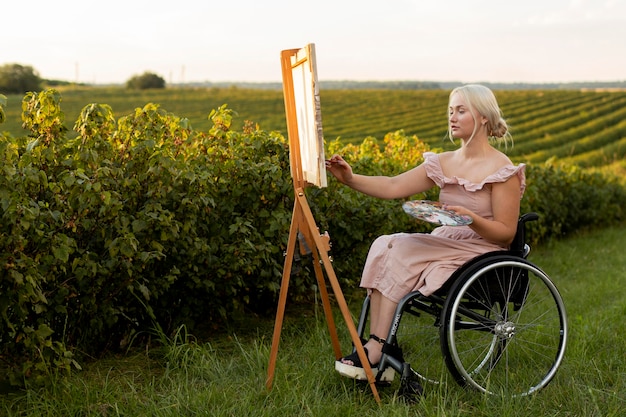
460	210
340	169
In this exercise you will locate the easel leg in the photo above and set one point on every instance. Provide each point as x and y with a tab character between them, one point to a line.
282	298
356	339
302	216
321	283
334	282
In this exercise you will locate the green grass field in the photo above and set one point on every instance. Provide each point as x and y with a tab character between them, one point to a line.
224	374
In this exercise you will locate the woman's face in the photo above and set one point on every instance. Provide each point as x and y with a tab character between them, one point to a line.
460	120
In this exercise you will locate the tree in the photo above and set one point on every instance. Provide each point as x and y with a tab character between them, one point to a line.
145	81
18	79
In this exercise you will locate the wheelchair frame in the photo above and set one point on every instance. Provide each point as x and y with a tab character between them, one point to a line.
500	322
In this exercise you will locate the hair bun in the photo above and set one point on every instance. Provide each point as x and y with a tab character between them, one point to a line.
500	130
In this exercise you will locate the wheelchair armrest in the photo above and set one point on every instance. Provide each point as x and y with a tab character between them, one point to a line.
528	217
518	246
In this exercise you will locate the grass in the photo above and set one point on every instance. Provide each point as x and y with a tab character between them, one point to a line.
225	375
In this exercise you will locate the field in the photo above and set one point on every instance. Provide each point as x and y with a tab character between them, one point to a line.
587	128
223	372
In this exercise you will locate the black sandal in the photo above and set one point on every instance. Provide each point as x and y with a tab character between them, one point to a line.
356	371
354	358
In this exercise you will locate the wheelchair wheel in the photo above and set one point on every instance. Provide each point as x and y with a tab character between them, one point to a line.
418	334
504	327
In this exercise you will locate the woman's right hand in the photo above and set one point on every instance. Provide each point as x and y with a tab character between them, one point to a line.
339	168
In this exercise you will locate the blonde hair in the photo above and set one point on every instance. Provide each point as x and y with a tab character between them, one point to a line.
481	99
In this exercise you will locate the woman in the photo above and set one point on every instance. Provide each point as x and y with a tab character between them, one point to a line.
476	180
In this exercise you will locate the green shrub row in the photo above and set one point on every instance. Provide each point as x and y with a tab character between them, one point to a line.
570	198
144	222
134	222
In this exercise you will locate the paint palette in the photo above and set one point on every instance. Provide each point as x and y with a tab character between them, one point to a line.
434	212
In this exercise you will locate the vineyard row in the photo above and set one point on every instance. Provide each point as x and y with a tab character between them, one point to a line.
583	127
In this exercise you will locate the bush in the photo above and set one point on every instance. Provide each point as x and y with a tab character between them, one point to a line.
132	224
569	198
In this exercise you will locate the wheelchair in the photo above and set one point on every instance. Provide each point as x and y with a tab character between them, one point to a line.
498	325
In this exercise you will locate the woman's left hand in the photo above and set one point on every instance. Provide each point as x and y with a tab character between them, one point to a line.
460	210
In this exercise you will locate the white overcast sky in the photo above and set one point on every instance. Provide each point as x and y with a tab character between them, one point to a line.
240	40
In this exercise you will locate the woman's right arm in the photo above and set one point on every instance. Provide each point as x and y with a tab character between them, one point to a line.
403	185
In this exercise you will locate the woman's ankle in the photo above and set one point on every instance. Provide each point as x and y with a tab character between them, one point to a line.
374	350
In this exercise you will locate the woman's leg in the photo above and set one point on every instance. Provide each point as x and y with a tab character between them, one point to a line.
382	310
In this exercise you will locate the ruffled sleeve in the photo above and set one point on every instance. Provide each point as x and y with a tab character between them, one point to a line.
433	168
435	173
506	172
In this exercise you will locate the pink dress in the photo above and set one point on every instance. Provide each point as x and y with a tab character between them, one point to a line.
403	262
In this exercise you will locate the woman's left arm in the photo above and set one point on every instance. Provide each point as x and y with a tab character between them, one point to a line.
505	200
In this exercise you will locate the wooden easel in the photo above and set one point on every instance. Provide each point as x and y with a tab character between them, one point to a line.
303	223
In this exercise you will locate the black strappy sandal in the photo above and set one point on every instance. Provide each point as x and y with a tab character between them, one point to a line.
356	371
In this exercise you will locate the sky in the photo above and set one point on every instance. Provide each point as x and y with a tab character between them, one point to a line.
535	41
